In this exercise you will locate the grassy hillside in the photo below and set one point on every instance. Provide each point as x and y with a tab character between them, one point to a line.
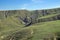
44	24
41	30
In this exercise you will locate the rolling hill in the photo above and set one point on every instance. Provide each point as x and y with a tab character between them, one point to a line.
30	25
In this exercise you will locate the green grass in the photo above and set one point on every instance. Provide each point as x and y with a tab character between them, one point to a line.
41	29
11	24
